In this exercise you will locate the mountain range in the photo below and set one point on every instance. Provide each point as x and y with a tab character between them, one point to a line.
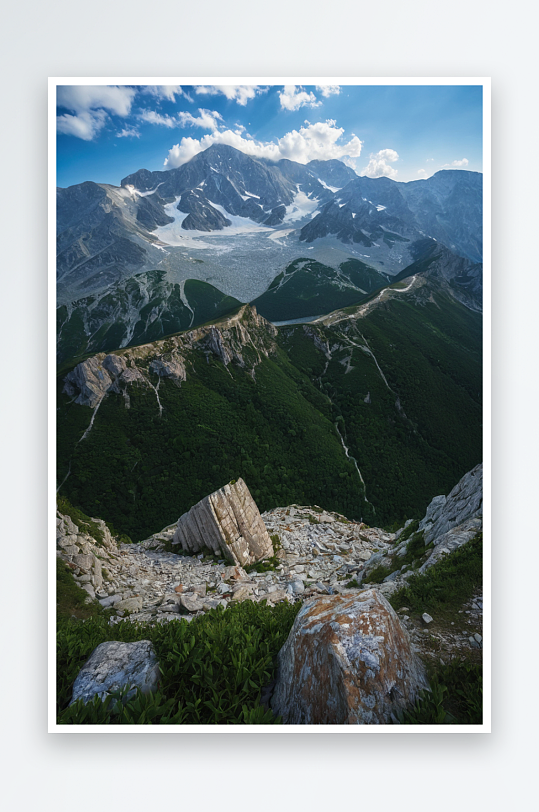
297	240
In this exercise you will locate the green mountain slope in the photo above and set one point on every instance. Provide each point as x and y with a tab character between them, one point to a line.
309	288
398	378
405	383
137	310
265	422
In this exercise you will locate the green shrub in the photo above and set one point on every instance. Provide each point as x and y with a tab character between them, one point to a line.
212	670
456	697
448	584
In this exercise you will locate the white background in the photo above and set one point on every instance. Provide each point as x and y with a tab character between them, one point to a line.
137	772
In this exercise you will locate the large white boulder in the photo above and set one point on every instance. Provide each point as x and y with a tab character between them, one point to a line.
228	523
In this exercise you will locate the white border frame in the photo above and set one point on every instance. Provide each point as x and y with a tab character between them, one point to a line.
485	83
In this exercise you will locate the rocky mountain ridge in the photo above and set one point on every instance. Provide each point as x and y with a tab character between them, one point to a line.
242	338
108	233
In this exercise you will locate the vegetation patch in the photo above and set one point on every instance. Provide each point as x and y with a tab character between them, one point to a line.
213	669
455	698
71	600
447	584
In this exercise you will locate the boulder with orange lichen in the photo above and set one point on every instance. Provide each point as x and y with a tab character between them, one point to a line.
347	660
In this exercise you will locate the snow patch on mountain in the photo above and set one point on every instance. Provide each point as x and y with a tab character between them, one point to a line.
302	206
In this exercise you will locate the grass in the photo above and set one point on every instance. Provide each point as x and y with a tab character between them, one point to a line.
70	598
456	697
448	584
213	670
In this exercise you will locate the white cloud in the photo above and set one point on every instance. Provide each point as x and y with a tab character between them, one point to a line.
151	117
165	92
463	162
378	166
83	125
422	173
292	98
239	93
128	132
328	90
82	98
88	103
312	142
208	119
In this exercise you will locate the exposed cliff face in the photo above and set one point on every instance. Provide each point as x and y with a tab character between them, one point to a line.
243	339
465	502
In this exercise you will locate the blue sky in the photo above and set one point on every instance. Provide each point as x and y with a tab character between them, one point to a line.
404	132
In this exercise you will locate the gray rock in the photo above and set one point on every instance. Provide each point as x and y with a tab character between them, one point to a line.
347	660
192	604
89	589
83	561
463	503
296	587
228	522
110	601
113	666
129	605
426	618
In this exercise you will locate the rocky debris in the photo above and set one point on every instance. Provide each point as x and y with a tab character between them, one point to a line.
320	551
113	666
347	660
426	618
226	522
464	502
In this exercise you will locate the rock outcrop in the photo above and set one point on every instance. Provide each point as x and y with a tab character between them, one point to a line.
228	523
347	660
102	374
464	502
113	666
92	379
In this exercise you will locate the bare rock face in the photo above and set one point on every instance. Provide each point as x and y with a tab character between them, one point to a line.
464	502
92	379
113	665
228	523
347	660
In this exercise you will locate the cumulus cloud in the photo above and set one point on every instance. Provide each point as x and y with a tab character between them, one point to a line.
320	141
328	90
165	92
88	106
422	173
463	162
239	93
84	125
378	166
128	132
151	117
208	119
292	98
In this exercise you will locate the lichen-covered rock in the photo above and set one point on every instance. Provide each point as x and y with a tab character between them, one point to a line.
464	502
347	660
113	666
226	522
